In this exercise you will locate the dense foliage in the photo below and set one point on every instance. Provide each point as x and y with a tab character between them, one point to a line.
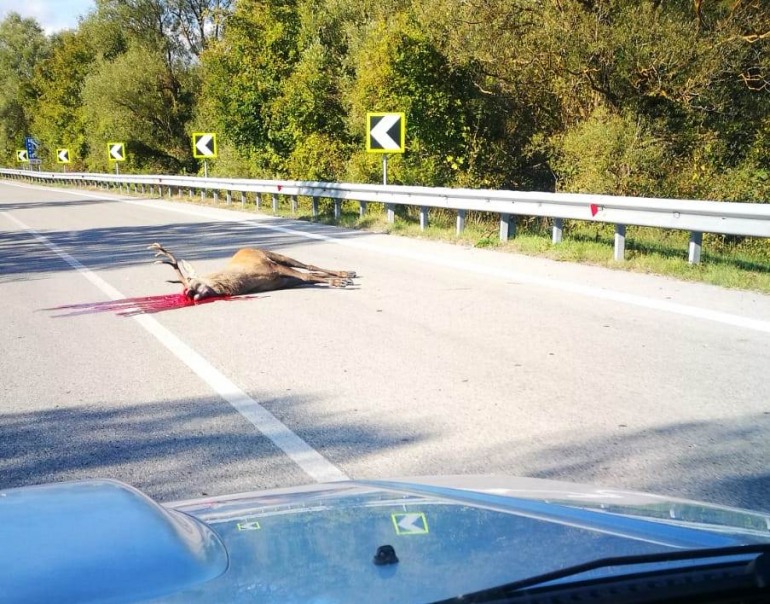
637	97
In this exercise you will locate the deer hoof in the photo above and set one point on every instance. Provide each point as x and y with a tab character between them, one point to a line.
340	282
349	274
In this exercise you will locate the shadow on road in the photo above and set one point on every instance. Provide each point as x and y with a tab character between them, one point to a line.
724	461
170	449
56	203
116	247
187	448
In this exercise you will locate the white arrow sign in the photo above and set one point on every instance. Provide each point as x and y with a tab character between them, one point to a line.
410	524
386	132
204	145
21	155
63	156
381	132
117	151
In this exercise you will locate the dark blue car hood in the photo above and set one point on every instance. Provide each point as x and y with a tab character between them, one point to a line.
319	543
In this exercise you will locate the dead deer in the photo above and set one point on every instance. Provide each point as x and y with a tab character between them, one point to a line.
250	271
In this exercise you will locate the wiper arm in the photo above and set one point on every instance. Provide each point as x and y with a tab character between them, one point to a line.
713	576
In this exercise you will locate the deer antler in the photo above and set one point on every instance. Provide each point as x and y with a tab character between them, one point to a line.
171	261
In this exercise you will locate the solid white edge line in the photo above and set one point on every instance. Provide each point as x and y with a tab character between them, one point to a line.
547	283
507	274
300	452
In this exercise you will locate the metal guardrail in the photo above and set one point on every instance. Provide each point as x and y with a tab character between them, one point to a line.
698	217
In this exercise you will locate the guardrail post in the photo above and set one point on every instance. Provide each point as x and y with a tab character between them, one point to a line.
229	197
258	200
243	199
558	230
337	209
215	196
170	192
293	204
391	208
274	199
142	188
361	208
315	207
460	221
423	217
203	195
696	242
620	242
507	227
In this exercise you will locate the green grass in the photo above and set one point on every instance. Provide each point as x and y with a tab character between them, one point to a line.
738	263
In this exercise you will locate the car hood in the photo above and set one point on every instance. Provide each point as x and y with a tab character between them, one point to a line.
406	540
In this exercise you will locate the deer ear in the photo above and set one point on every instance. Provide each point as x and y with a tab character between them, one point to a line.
191	274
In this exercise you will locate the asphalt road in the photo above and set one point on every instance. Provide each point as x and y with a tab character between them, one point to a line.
441	360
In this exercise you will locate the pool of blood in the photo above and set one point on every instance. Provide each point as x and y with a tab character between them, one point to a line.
147	305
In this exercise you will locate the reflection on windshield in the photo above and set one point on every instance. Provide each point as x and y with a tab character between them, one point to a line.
334	540
688	512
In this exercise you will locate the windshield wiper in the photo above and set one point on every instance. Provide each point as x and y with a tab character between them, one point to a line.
711	575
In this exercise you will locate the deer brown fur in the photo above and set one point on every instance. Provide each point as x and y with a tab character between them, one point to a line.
250	271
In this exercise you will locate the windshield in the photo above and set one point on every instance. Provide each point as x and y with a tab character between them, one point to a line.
429	296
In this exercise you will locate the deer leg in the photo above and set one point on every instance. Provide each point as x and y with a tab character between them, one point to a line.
293	277
292	263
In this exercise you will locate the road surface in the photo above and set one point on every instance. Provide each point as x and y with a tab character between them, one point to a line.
441	360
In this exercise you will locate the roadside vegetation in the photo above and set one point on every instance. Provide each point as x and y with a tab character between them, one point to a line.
664	98
733	262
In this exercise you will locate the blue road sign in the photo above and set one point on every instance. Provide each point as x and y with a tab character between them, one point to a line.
31	144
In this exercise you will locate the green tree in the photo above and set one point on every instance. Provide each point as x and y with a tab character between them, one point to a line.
59	119
244	76
142	87
610	154
135	98
180	29
22	46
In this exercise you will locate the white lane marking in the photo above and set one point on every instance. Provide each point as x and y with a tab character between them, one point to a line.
548	283
313	463
686	310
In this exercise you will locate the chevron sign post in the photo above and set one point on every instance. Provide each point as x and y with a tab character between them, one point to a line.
63	157
116	152
386	133
204	145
